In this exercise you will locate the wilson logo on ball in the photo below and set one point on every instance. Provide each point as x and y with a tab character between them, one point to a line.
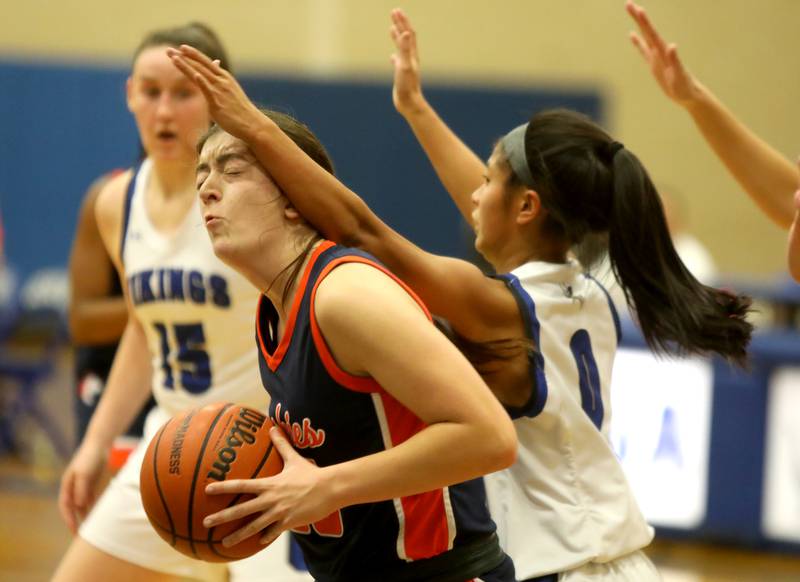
242	432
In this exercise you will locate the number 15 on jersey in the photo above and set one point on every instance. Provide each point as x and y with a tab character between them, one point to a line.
183	354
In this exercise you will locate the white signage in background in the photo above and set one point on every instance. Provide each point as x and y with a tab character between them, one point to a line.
661	430
781	510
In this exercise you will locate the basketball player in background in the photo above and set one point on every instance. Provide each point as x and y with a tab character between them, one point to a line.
188	336
564	508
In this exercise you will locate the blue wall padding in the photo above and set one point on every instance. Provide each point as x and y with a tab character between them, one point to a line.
63	125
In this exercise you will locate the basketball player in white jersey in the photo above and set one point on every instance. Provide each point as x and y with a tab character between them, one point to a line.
564	510
189	338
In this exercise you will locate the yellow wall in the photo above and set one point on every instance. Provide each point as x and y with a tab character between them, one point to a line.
745	50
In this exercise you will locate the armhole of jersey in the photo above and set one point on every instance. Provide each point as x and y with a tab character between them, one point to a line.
259	336
350	381
611	306
274	360
527	309
126	212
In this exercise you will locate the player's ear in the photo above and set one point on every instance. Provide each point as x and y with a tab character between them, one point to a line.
530	205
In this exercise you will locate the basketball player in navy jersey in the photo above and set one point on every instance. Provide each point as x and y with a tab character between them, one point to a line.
565	510
387	422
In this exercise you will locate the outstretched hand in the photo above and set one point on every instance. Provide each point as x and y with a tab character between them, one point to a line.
228	104
662	58
407	89
293	498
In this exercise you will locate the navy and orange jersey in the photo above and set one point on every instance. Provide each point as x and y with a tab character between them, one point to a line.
333	417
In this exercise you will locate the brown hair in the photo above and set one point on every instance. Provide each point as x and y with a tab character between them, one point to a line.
195	34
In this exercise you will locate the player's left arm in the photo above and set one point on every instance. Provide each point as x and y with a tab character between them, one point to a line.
421	369
95	316
374	328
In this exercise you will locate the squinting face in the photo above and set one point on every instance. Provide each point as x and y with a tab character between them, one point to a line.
242	206
171	112
491	213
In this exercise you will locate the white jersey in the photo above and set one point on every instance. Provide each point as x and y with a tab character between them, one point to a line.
198	314
566	501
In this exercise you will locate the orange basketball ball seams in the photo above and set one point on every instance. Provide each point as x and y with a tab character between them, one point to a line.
214	443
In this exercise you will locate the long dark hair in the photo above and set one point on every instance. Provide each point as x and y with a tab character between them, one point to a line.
591	185
305	139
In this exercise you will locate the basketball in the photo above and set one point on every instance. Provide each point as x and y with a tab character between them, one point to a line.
213	443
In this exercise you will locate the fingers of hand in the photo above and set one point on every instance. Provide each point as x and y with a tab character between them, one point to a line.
238	511
405	43
81	492
672	57
65	503
200	58
283	446
250	529
633	9
271	533
396	16
198	75
640	45
654	40
235	512
402	21
254	486
183	64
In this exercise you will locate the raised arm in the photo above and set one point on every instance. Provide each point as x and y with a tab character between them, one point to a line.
95	316
764	173
475	305
127	389
466	432
460	170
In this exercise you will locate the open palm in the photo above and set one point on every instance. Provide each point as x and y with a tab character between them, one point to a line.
662	58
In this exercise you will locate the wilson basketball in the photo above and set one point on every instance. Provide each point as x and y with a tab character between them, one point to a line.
213	443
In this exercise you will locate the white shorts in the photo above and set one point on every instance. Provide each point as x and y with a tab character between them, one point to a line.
633	567
118	526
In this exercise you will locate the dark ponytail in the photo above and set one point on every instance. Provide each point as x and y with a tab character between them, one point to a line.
594	188
676	312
